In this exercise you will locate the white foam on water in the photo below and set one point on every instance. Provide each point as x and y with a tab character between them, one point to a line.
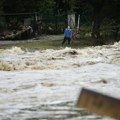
32	82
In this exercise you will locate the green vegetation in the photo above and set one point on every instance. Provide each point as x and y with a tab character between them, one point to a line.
102	15
56	44
52	44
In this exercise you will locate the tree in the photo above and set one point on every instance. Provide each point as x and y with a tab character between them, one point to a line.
95	7
79	6
17	6
100	10
97	16
1	6
97	10
64	6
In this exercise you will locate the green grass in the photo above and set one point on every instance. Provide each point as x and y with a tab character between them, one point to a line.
54	44
34	45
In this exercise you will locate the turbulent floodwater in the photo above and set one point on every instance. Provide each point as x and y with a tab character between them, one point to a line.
45	84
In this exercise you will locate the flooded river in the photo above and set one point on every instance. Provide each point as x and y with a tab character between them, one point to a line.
45	84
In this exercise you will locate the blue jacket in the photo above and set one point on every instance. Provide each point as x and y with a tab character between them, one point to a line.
66	31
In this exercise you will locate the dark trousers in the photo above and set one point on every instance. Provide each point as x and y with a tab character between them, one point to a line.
64	40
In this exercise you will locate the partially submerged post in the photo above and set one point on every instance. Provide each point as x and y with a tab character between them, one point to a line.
99	103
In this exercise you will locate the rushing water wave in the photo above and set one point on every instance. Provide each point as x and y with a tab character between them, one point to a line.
45	84
17	59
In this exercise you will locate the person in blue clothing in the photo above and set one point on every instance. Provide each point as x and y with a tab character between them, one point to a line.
67	35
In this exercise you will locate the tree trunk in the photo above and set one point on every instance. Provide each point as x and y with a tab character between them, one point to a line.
96	23
97	16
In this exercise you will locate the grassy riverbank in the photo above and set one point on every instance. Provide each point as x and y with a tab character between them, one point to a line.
54	44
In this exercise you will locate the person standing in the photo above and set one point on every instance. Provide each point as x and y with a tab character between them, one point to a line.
67	35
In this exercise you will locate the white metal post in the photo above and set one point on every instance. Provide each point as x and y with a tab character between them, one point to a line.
78	21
